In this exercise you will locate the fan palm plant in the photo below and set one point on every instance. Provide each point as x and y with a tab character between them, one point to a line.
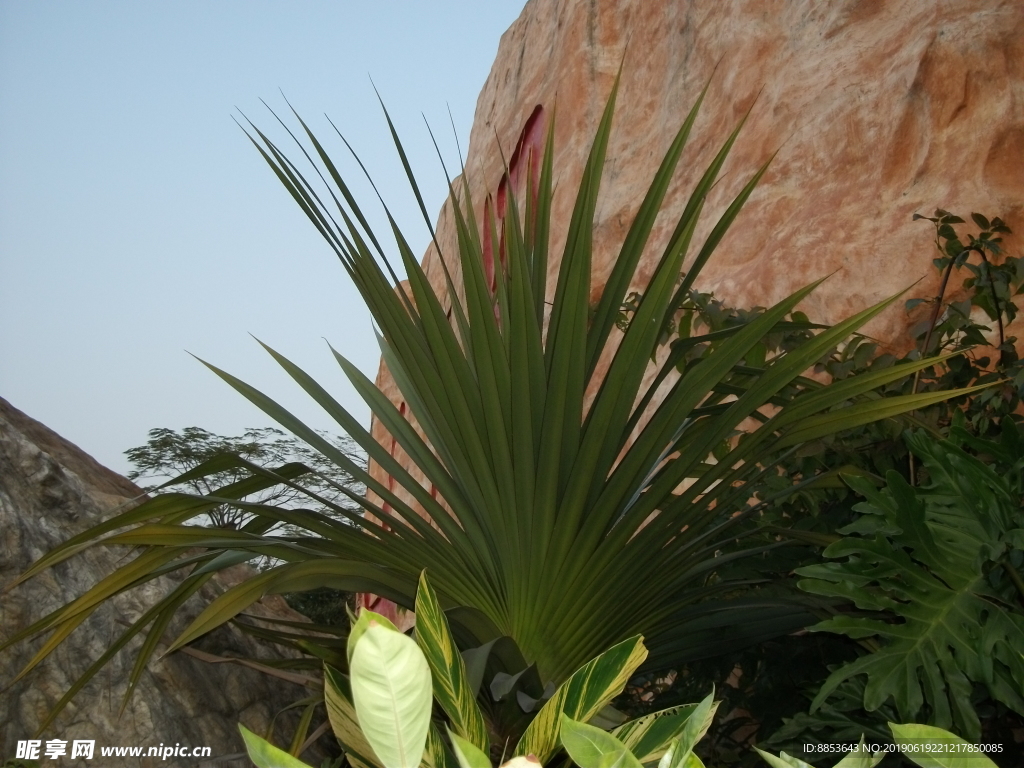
564	526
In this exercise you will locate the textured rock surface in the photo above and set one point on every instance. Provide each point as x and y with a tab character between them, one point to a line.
879	109
49	491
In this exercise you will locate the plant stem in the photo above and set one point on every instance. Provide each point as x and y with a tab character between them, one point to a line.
935	317
927	340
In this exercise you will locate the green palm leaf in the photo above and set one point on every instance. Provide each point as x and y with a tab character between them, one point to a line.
564	505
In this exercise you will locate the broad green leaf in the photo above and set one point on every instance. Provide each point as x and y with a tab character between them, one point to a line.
860	757
362	623
590	747
451	686
932	747
582	696
266	755
391	691
467	753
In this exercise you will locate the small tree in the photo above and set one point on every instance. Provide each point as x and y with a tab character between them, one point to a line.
169	454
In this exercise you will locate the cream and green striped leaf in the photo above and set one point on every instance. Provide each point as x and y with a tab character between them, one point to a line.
342	714
582	696
680	751
437	754
649	737
452	688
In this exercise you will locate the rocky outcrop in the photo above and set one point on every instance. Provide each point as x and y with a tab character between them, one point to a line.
49	491
878	109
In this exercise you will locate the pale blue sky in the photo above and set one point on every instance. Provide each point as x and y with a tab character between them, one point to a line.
137	222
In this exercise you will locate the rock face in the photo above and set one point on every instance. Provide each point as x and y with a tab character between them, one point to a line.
878	109
49	491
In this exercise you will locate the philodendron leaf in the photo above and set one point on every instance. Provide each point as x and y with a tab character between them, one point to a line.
360	626
590	747
391	689
932	747
266	755
467	753
928	566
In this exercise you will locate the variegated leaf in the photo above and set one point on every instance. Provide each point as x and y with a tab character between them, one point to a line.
649	737
452	689
436	754
681	749
582	696
342	714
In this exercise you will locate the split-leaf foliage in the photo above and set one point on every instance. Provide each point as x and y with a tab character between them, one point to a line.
937	569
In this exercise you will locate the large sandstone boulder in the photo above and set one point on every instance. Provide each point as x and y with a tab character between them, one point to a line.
49	491
878	109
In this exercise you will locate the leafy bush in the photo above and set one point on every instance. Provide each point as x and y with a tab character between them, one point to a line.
767	681
951	326
938	568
